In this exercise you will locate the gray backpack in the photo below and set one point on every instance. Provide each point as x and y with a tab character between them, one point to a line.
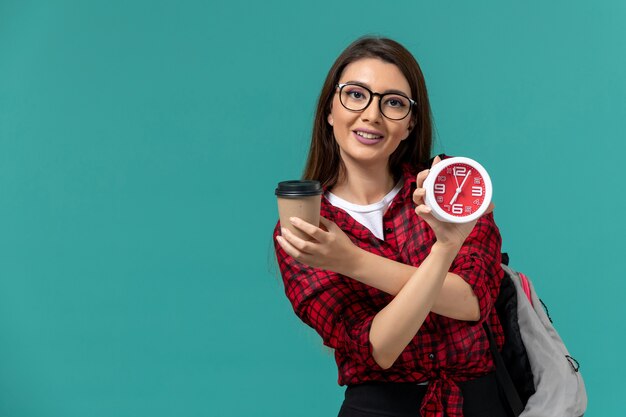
535	371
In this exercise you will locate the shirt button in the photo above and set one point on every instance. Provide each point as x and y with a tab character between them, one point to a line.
388	230
431	356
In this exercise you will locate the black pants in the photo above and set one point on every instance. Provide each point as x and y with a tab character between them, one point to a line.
481	398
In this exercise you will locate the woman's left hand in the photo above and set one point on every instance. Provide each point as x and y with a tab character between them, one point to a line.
450	235
329	249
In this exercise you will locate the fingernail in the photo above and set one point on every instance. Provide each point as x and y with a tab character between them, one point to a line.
282	230
293	219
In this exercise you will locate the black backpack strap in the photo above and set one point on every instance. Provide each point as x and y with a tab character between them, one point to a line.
503	377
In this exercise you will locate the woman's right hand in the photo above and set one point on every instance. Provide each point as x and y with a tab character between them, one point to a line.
329	249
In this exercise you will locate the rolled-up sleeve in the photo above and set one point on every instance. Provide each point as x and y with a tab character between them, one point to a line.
479	263
327	302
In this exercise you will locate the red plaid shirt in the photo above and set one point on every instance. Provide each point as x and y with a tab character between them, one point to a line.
341	309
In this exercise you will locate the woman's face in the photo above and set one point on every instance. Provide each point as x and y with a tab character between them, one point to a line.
367	137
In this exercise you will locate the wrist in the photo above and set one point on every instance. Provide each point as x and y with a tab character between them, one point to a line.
354	262
446	249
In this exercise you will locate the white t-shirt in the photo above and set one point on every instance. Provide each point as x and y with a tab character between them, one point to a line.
371	215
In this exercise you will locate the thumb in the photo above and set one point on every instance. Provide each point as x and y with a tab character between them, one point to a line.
327	224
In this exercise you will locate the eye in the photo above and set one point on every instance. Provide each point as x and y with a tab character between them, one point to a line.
396	102
355	93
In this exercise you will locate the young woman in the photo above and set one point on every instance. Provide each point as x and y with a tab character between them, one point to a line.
399	295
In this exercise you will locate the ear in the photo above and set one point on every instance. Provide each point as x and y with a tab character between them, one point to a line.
412	124
409	129
330	119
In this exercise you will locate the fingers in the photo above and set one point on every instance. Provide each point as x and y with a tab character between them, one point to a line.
418	196
311	230
326	222
288	247
296	242
423	174
308	252
421	177
328	225
424	211
295	247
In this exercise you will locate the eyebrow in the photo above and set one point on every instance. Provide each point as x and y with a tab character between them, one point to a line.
362	84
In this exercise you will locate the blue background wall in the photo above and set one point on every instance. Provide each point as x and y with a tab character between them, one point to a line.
140	143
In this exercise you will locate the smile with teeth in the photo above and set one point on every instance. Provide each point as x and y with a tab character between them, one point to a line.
367	135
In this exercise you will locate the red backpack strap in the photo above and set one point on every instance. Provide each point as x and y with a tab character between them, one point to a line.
526	287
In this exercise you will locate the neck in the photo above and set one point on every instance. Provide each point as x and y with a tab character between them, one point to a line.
364	184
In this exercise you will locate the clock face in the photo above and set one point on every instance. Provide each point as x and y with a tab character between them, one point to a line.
458	190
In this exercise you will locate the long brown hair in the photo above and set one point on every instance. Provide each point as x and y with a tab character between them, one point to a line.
324	161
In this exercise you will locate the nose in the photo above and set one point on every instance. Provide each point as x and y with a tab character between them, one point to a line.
372	112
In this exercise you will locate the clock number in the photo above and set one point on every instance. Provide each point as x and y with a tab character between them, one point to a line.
460	171
477	191
440	188
457	208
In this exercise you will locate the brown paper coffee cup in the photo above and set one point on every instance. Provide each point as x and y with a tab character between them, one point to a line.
299	198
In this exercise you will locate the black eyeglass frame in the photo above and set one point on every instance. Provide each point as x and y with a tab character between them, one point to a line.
380	100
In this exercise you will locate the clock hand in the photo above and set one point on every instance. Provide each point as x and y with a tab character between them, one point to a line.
458	190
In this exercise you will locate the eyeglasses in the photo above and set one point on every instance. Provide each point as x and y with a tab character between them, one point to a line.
394	106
